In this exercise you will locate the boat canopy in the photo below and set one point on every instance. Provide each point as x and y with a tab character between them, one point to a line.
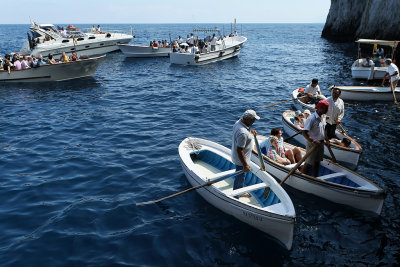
379	42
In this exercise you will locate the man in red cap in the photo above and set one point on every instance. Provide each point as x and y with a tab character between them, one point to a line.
314	133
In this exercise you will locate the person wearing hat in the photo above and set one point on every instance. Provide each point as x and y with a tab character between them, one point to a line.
393	74
299	120
306	113
314	133
335	113
242	146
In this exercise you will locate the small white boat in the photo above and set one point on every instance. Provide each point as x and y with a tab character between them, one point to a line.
333	182
300	105
204	161
144	51
226	47
56	72
47	39
345	155
374	72
367	93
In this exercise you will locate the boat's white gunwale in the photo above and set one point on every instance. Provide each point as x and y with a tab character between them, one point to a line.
336	146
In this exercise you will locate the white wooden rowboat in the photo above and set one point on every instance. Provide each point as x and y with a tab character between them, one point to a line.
366	93
334	183
204	160
300	105
345	155
227	48
144	51
56	72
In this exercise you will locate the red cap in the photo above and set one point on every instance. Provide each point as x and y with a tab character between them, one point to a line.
322	103
301	89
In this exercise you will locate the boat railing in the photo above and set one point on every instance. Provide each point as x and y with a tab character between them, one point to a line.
104	30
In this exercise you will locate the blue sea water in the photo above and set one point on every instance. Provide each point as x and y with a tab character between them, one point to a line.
76	156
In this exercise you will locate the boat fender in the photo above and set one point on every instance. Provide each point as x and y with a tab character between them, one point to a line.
108	35
221	53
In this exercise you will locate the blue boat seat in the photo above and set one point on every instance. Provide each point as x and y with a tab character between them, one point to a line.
252	183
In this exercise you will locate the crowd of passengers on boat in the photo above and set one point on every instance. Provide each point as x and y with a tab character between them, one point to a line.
192	45
18	62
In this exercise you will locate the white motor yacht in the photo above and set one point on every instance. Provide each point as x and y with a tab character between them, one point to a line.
225	47
47	39
379	67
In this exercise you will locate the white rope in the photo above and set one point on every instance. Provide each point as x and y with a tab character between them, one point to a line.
193	144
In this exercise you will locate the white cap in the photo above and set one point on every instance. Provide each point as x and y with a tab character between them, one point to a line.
250	114
307	112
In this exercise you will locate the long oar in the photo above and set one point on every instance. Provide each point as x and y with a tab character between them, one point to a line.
267	106
262	165
343	130
190	189
331	153
299	163
290	137
266	191
393	91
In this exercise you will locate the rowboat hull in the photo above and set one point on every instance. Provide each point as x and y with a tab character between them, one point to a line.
347	156
338	185
372	73
300	105
367	93
277	219
57	72
231	49
143	51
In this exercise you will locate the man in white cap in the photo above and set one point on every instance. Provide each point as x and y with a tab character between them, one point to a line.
393	74
242	146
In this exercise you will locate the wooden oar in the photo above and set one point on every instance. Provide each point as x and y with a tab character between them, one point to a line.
331	153
190	189
262	165
393	91
290	137
343	130
267	106
299	163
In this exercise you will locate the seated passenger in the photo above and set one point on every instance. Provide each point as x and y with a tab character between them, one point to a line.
306	114
155	44
33	61
50	59
299	120
41	62
368	63
345	142
64	58
294	155
7	64
17	64
24	63
74	56
273	152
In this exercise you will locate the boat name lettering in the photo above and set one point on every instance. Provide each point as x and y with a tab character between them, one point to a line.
251	215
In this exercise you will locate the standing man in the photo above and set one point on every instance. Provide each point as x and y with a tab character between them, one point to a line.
314	133
213	42
393	74
242	145
313	93
335	113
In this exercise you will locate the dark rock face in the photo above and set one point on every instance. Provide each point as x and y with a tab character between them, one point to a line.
349	20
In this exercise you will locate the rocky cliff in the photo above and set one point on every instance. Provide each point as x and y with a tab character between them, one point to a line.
349	20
